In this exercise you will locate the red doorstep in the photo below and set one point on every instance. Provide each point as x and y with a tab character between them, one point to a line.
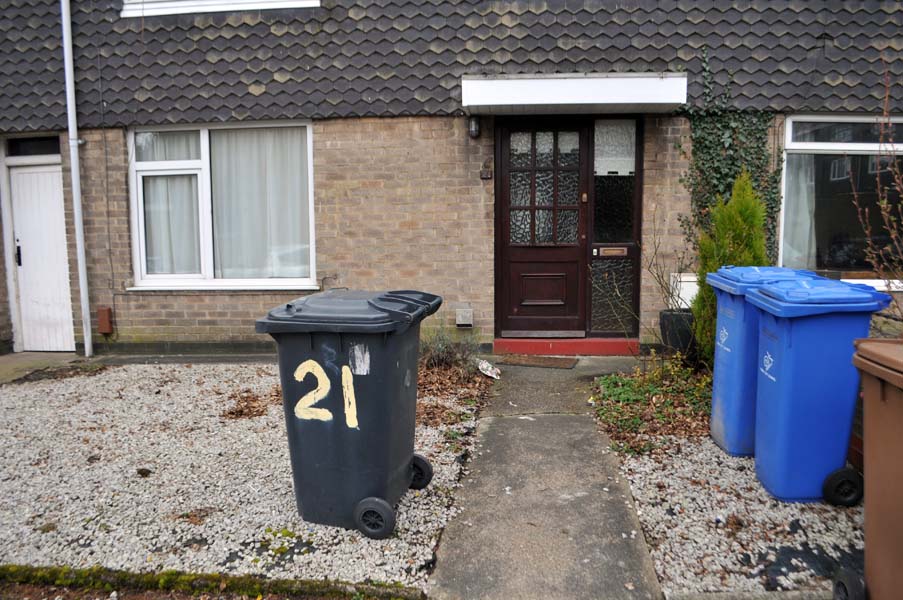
568	346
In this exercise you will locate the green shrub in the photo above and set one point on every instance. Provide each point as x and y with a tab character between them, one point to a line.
737	237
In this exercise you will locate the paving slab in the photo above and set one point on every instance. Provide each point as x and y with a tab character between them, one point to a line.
18	364
546	515
536	390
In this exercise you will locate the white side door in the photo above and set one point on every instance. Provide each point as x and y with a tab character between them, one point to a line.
39	228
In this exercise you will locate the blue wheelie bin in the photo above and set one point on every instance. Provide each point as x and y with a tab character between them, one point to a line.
807	386
733	420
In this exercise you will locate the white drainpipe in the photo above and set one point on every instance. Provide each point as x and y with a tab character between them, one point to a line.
76	178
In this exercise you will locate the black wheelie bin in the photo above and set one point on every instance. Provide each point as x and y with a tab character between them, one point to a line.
348	367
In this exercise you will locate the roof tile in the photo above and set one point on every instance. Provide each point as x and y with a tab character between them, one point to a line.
353	58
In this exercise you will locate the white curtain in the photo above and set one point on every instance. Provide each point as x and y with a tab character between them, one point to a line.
260	203
172	245
167	145
799	212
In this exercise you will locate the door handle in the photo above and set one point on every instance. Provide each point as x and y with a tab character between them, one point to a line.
583	197
18	255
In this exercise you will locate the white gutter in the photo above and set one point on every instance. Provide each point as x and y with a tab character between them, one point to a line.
76	178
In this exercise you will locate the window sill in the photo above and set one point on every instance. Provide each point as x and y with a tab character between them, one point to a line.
879	284
153	8
220	286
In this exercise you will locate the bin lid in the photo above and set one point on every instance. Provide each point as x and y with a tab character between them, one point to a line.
806	297
350	311
818	291
762	274
882	358
737	280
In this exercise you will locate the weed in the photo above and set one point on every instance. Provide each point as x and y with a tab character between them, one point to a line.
440	350
667	399
47	527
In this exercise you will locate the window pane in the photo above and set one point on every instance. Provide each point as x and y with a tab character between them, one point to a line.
840	133
171	234
33	146
521	144
613	210
821	225
167	145
520	227
520	188
568	186
614	180
544	148
615	147
261	225
544	227
568	149
544	188
567	226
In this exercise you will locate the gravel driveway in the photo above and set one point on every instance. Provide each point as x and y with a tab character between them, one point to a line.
134	468
712	527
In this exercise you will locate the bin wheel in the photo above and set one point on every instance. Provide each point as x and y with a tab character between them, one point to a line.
423	472
374	518
848	585
843	487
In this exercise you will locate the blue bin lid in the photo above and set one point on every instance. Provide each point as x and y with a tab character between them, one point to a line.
805	297
760	275
817	291
739	280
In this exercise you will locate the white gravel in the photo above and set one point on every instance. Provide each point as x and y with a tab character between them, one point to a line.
70	492
712	527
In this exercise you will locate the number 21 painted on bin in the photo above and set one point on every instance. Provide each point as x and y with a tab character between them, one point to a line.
305	409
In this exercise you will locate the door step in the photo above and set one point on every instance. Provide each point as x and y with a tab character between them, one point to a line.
568	347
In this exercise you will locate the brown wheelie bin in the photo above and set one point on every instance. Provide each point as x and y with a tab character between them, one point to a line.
881	364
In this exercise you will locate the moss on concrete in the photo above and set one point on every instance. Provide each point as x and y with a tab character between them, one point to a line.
196	583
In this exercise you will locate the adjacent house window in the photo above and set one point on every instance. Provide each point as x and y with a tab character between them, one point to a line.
149	8
223	207
827	159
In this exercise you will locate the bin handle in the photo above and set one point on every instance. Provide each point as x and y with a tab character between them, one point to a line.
432	304
405	317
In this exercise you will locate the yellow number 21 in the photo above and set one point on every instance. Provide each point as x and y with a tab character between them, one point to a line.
305	410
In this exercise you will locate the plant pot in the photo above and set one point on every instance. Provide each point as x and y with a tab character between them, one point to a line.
676	325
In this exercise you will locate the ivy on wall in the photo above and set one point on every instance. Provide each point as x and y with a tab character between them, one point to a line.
725	141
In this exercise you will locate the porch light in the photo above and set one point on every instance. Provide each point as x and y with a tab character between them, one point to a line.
473	127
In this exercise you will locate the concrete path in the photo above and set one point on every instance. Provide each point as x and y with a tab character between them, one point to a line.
18	364
546	513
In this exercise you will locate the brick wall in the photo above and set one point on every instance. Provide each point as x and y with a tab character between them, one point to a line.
399	204
664	200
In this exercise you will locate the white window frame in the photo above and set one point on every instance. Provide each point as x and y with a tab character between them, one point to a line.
840	148
201	167
152	8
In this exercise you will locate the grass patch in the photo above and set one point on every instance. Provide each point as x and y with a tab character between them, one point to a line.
99	578
661	397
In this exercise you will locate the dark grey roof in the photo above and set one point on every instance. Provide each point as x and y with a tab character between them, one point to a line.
406	57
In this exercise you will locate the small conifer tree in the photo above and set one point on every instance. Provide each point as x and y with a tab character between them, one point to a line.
737	238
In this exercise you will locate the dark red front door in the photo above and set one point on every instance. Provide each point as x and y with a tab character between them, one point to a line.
543	188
